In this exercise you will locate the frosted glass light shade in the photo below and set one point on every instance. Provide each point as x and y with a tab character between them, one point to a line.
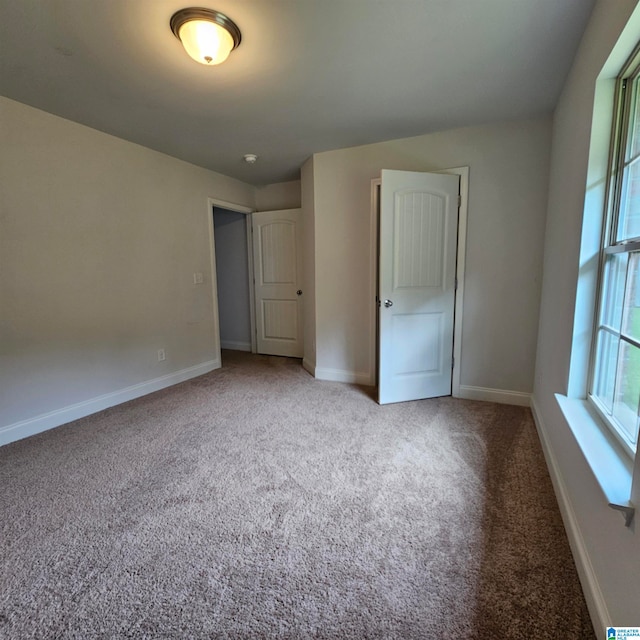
208	36
206	42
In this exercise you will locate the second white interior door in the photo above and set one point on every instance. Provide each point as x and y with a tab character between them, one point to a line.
277	262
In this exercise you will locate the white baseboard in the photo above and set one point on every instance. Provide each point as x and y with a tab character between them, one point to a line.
235	346
52	419
596	604
340	375
500	396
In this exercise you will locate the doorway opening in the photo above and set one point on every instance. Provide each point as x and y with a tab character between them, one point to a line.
233	279
225	220
257	294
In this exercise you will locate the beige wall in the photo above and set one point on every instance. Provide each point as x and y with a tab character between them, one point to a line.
509	165
608	553
99	240
280	195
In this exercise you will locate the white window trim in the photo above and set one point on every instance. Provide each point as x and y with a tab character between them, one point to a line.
610	464
615	471
618	122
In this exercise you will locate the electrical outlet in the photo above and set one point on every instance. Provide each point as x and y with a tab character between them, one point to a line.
198	278
161	355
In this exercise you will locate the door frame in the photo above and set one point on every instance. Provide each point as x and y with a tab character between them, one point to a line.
463	172
238	208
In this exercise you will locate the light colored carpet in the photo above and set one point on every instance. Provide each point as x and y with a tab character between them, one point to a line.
257	502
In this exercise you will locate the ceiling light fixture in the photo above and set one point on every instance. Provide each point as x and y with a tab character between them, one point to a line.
250	158
208	36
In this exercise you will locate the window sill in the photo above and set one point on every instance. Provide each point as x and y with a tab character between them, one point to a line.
611	466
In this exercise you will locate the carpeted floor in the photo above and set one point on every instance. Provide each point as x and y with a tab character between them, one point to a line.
257	502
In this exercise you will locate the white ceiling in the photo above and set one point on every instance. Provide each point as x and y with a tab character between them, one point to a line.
309	75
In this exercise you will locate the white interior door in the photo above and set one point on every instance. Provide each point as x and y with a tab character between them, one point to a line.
417	273
277	263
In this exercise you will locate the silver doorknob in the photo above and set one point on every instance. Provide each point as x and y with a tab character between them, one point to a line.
388	303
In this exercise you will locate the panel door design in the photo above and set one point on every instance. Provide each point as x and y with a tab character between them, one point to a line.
418	240
278	277
417	263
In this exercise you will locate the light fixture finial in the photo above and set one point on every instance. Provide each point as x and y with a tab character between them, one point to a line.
208	36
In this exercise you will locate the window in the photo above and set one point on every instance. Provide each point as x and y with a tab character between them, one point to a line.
615	380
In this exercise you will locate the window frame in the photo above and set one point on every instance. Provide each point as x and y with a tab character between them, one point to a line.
625	118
